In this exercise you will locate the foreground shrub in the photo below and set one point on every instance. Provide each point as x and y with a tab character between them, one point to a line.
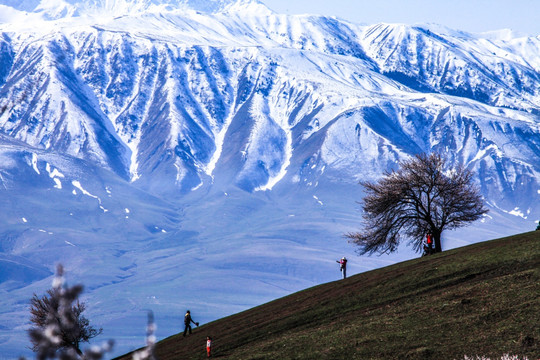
59	326
504	357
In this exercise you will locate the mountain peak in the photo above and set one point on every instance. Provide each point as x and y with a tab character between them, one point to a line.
55	9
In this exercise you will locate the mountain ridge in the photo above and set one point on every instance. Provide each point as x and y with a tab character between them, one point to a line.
61	9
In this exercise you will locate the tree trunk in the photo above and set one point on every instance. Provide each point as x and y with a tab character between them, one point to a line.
77	348
437	241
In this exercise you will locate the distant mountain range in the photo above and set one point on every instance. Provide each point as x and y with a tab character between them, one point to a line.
206	154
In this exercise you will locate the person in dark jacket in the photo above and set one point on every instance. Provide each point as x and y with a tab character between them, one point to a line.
187	322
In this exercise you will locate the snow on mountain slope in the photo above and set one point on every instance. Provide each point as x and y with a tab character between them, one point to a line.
463	65
58	9
205	155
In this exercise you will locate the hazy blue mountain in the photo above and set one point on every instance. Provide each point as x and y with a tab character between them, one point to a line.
206	154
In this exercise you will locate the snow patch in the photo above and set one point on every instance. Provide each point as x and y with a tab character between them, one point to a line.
134	165
517	212
78	185
481	153
197	186
266	126
34	163
219	140
54	173
58	183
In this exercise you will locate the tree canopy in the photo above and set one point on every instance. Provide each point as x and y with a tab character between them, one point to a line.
422	196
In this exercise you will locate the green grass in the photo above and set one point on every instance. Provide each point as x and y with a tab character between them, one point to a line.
483	299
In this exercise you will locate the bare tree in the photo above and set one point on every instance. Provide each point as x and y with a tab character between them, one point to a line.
421	197
59	326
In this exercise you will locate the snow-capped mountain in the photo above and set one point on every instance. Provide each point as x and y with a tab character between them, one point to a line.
55	9
205	154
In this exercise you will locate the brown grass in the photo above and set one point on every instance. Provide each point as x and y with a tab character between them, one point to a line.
482	299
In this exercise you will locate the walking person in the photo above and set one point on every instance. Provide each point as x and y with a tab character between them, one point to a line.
187	322
343	266
209	346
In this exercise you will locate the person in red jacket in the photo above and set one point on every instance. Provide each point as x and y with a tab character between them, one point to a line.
429	241
209	346
428	246
343	266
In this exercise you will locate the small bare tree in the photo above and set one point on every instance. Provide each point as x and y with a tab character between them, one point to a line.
421	197
59	326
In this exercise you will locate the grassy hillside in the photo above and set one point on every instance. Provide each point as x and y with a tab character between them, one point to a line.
482	299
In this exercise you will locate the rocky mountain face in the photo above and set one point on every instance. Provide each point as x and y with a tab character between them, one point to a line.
215	147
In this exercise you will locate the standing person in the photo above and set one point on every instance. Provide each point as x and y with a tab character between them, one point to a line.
187	322
209	346
343	266
429	241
